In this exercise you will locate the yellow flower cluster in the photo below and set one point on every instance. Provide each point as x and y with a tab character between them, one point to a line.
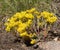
49	17
22	20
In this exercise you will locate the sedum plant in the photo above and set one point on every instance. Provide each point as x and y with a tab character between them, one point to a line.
28	23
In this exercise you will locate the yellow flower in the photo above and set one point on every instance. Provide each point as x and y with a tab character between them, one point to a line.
12	19
22	27
23	13
32	35
29	22
29	16
24	34
20	30
33	41
52	19
31	10
36	12
7	28
45	14
17	14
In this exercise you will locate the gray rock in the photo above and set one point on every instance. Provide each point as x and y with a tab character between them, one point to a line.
52	45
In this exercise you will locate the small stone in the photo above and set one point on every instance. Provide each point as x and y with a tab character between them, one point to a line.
55	39
11	49
35	46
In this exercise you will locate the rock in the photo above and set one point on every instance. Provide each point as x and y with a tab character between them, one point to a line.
35	46
52	45
55	39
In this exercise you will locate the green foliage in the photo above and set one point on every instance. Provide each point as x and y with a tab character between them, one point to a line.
12	6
